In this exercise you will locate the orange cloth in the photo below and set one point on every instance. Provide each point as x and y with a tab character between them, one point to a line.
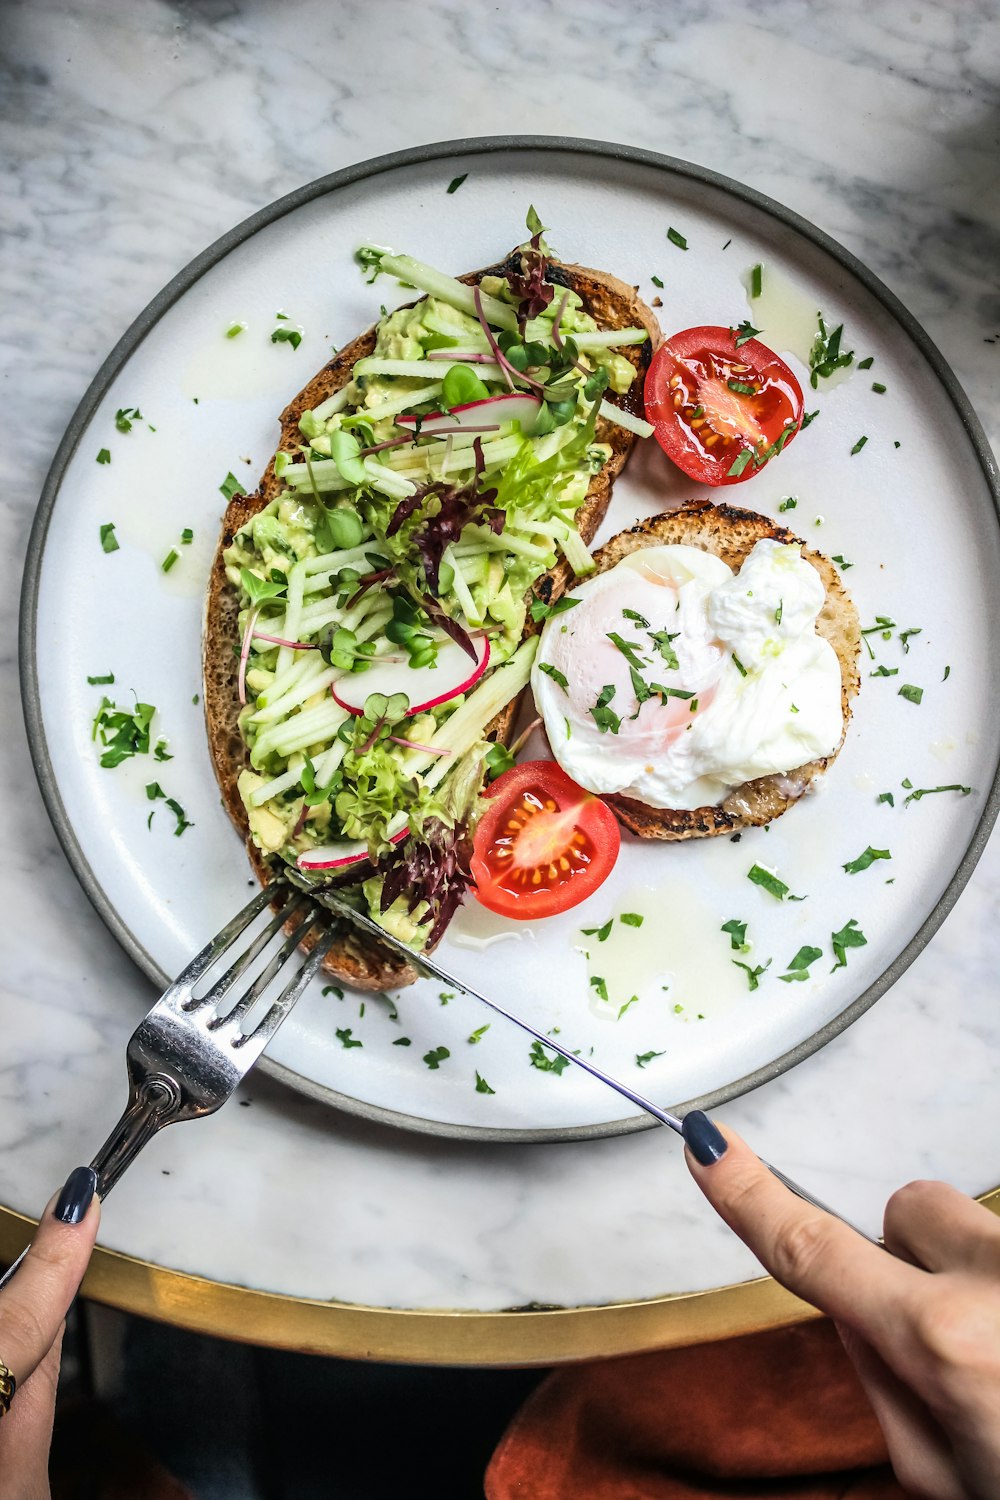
775	1416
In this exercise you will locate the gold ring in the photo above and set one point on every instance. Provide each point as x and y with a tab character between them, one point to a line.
8	1385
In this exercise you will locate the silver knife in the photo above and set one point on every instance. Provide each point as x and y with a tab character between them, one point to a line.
430	967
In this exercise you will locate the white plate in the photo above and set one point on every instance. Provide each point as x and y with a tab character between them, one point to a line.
913	511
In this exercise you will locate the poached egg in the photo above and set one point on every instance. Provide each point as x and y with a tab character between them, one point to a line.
674	680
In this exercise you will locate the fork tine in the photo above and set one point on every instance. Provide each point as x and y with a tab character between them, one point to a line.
268	1025
246	1003
223	939
239	967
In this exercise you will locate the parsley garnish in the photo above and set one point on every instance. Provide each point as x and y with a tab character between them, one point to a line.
600	933
478	1034
543	1062
910	693
623	1008
859	445
798	967
187	536
154	790
741	387
453	187
864	860
753	975
676	238
884	672
904	637
104	456
498	759
740	462
928	791
402	1041
632	614
542	611
182	818
807	417
886	797
231	486
599	985
642	1058
482	1087
737	934
789	503
332	989
826	355
867	362
108	539
286	335
347	1040
123	733
947	674
628	649
550	671
604	717
744	333
769	882
101	681
125	416
631	919
160	750
756	278
849	936
435	1057
662	640
878	388
657	282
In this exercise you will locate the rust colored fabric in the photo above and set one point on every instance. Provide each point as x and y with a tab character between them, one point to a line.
776	1416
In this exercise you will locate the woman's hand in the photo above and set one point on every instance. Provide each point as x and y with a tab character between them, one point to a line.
32	1314
921	1325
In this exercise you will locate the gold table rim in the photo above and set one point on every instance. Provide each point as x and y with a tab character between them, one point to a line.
521	1336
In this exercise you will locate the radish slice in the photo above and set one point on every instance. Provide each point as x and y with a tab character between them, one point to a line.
517	406
425	687
337	856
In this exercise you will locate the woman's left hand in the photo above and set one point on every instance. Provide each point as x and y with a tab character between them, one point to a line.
33	1310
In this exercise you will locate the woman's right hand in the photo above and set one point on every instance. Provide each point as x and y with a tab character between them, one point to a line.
921	1325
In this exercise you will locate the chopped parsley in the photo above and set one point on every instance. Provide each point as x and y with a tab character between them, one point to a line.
182	818
600	933
798	967
859	445
482	1087
286	335
878	387
676	238
855	866
642	1058
849	936
842	562
453	187
947	674
231	486
740	462
631	919
756	279
125	416
769	882
600	985
628	649
904	637
662	639
826	355
168	562
929	791
347	1040
109	677
789	503
402	1041
187	536
807	417
753	975
542	611
550	671
604	717
737	934
867	362
435	1057
498	759
623	1008
886	797
104	456
108	539
884	672
741	387
333	989
744	333
632	614
121	731
541	1060
657	282
154	790
160	749
478	1034
910	693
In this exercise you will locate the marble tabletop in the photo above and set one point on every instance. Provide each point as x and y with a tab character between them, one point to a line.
135	136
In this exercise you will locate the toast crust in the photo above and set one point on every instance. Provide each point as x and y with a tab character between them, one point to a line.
612	304
731	534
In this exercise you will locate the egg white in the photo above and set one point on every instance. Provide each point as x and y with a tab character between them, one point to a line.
780	711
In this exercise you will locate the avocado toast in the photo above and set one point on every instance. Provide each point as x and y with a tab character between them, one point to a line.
445	466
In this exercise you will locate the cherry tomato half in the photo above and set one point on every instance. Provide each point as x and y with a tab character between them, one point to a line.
543	845
719	410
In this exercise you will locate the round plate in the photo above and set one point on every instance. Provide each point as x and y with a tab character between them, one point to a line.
912	512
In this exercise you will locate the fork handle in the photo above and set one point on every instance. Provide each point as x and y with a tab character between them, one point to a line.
152	1104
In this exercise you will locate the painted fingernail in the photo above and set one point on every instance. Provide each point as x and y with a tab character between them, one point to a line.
706	1141
77	1195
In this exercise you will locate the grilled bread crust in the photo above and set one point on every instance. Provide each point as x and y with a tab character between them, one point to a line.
612	304
732	534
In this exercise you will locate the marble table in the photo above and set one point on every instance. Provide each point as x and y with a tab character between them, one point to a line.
136	135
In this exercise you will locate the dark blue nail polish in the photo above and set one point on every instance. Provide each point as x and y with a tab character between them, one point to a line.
705	1140
77	1195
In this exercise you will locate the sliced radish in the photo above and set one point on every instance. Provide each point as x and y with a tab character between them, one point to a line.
516	406
425	687
337	856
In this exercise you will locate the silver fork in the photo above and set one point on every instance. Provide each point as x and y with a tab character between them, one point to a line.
186	1058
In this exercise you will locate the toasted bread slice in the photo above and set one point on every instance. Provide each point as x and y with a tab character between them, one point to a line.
612	304
732	534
